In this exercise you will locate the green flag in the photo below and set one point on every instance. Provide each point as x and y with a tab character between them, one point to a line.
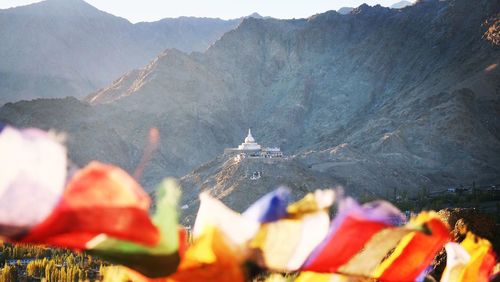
158	261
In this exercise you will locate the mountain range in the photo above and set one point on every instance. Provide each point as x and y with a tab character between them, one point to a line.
376	100
59	48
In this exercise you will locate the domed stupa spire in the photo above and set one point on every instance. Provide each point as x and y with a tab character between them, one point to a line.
249	144
249	138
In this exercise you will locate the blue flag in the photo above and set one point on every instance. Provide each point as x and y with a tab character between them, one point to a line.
271	207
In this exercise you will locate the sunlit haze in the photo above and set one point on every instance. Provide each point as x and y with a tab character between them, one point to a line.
151	10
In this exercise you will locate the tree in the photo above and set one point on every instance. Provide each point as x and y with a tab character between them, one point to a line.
76	274
63	274
51	271
9	274
70	260
82	275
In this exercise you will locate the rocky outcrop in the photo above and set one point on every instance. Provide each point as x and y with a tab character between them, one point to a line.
462	220
493	32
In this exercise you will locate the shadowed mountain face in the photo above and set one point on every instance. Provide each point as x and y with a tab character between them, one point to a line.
377	100
59	48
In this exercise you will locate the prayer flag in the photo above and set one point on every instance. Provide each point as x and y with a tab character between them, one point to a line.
160	260
269	208
233	225
351	229
32	178
100	199
211	258
471	260
285	244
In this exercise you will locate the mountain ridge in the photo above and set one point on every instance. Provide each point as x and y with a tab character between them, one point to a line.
379	100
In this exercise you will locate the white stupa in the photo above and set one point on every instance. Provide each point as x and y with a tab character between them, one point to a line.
249	144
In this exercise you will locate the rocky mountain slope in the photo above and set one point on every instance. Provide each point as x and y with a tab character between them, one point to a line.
59	48
375	100
241	181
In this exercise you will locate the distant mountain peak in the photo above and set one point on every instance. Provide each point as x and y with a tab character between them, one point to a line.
59	8
345	10
362	8
255	15
401	4
72	4
367	9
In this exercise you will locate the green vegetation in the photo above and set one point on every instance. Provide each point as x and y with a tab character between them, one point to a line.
33	263
485	201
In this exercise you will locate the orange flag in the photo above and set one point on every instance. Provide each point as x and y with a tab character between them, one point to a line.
471	260
212	258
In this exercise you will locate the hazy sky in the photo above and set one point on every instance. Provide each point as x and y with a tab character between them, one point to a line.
151	10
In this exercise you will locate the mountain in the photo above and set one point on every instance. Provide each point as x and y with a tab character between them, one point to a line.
345	10
381	100
401	4
255	15
59	48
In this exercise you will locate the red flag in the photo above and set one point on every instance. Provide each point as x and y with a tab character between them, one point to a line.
351	229
100	199
343	245
412	258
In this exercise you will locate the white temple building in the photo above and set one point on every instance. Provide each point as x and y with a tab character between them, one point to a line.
251	148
